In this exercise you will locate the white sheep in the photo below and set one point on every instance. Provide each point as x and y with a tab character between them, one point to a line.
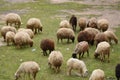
80	48
97	74
10	37
82	22
77	64
34	24
111	36
55	60
13	18
103	48
103	24
65	24
28	67
29	31
65	33
5	29
22	38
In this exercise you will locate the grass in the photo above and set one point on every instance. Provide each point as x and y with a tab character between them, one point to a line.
11	57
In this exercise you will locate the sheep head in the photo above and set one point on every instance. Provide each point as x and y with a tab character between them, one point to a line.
73	39
96	55
17	76
74	55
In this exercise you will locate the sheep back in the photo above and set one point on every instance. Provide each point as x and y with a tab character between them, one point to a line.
82	22
97	74
92	23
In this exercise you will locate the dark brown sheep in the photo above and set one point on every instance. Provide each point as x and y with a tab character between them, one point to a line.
47	44
85	36
117	71
73	22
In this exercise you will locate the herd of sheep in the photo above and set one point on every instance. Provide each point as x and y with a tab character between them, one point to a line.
91	32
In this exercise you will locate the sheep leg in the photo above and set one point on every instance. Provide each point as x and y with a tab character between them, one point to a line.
82	54
35	30
34	75
68	40
69	71
79	55
108	57
87	52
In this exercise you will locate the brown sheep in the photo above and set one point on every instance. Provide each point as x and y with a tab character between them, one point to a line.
92	23
82	22
47	44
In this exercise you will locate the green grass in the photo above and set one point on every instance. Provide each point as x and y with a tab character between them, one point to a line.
11	57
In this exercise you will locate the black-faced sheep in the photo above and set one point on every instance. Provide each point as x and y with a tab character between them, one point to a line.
73	22
55	60
65	33
13	18
100	37
103	24
103	48
76	64
92	23
34	24
97	74
29	31
10	37
111	36
85	36
5	29
47	44
22	38
80	48
117	71
82	22
65	24
28	67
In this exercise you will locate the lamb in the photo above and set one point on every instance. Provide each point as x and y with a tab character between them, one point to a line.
34	24
103	24
82	22
55	60
92	23
5	29
29	31
28	67
65	33
65	24
111	36
77	64
85	36
47	44
10	37
100	37
103	48
22	38
117	71
97	74
80	48
13	18
73	22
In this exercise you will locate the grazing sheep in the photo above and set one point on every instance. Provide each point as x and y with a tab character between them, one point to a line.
117	71
10	37
73	22
65	33
85	36
65	24
29	31
100	37
97	74
76	64
28	67
34	24
22	38
5	29
111	36
93	31
80	48
92	23
55	60
47	44
103	24
13	18
103	48
82	22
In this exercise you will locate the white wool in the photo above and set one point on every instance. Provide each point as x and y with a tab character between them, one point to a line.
65	24
97	74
